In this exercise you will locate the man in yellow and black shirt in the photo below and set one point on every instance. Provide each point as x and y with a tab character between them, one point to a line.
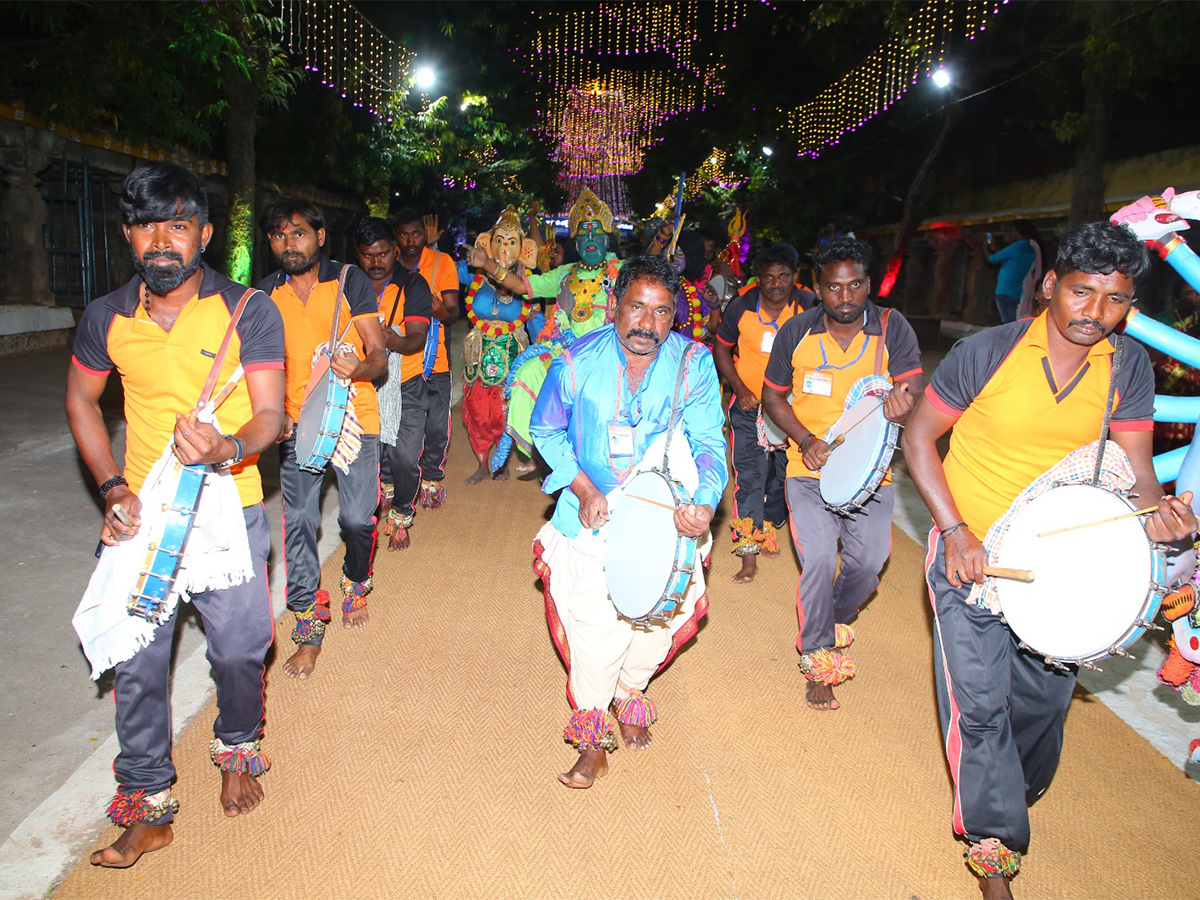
425	429
819	356
406	309
1020	398
161	333
305	289
743	345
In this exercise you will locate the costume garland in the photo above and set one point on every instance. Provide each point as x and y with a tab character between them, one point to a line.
493	328
585	293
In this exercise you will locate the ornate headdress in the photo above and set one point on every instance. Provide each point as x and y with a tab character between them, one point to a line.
510	218
590	208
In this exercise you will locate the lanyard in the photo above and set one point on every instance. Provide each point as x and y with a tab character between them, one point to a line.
773	323
825	359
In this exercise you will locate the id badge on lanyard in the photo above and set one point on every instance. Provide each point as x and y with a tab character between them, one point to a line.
817	382
620	440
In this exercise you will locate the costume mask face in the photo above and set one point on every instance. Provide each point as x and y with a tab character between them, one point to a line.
506	245
592	242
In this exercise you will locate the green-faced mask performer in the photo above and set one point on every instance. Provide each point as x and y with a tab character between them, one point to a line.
591	222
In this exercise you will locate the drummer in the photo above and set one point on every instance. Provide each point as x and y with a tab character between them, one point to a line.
743	344
1020	397
819	356
624	376
158	333
304	289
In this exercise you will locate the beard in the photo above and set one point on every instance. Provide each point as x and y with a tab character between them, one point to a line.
293	262
161	280
845	313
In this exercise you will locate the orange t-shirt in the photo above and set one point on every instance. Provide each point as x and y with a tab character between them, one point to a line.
308	323
163	372
441	274
743	328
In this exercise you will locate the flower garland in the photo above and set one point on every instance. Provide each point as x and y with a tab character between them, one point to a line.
696	316
494	328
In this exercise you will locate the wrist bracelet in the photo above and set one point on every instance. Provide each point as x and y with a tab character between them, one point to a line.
804	440
953	528
112	483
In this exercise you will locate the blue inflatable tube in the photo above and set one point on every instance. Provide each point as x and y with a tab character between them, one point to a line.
1176	409
1160	336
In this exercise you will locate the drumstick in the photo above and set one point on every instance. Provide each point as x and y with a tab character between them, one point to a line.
122	516
1023	575
1128	515
841	437
669	506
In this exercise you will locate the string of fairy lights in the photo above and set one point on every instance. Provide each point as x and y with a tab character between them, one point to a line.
338	45
608	76
888	73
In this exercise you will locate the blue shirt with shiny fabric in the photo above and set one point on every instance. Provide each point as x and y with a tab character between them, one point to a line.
586	392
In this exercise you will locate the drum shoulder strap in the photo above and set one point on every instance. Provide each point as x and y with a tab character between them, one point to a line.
675	410
215	372
879	347
335	337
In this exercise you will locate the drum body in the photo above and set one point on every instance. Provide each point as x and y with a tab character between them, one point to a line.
1095	590
858	466
769	431
647	562
154	584
320	423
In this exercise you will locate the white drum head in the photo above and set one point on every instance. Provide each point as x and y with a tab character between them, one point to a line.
849	466
775	435
1089	586
640	552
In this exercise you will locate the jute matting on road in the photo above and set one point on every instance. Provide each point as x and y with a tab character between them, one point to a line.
419	760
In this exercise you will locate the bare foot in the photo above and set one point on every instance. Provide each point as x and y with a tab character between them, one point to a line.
501	474
820	696
525	466
635	737
995	888
240	793
749	569
356	618
592	764
769	553
303	661
133	842
479	474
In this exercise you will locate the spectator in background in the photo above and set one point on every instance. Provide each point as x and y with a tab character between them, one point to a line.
1020	265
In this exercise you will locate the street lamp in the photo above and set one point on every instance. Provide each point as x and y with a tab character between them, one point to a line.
941	78
768	151
424	78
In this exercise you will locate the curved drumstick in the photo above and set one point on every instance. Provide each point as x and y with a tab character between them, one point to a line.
670	506
1129	515
1025	576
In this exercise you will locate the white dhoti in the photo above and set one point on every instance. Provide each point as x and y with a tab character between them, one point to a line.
606	657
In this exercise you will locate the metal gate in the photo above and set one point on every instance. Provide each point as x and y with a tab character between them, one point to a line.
82	228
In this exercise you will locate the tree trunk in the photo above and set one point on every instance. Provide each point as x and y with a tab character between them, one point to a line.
1091	144
241	121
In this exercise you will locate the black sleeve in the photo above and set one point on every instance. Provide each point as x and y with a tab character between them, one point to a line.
1135	385
729	331
972	361
260	330
779	369
91	336
904	356
360	294
418	298
268	284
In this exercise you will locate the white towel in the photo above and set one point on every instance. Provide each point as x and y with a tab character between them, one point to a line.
216	556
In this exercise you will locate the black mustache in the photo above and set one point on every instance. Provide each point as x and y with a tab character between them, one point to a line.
642	333
1094	323
162	254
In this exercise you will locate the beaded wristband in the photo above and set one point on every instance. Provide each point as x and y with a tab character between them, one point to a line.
112	483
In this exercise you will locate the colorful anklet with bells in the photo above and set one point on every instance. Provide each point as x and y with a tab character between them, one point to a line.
589	730
129	809
828	667
991	859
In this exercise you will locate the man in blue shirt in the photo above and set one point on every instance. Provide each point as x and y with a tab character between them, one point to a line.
604	408
1020	268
